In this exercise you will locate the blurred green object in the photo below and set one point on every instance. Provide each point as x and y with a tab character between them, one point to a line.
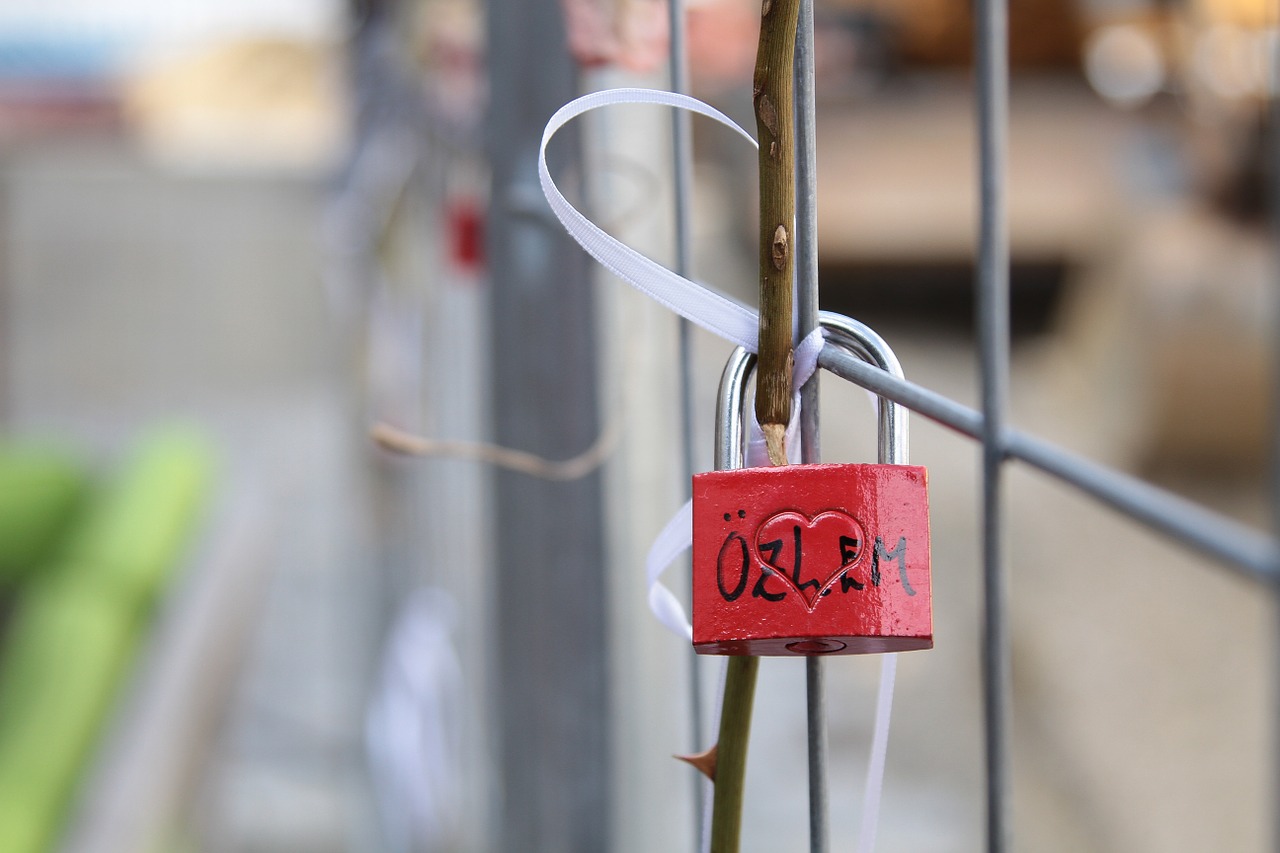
67	651
128	541
40	489
78	625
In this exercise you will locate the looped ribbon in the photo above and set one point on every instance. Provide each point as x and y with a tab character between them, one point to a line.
701	305
736	323
698	304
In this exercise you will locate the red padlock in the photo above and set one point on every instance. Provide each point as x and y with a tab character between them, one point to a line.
811	559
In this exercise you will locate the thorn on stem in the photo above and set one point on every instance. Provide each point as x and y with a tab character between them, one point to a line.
703	762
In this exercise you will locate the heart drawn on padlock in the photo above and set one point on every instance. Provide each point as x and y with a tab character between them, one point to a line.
810	553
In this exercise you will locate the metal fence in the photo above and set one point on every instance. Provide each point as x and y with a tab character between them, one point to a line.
1251	553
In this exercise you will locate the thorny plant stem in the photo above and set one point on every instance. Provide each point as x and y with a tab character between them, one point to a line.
731	754
772	97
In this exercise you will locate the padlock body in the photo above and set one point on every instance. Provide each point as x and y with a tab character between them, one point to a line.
811	559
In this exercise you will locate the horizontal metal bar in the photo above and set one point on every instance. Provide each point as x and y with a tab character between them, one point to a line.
931	404
1253	554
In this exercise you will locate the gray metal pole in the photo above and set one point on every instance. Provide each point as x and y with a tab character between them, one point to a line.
1273	155
550	635
807	216
682	172
807	311
991	51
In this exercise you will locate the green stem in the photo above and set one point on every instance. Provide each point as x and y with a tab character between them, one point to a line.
772	98
731	753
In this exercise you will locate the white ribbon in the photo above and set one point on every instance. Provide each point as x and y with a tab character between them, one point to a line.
701	305
879	749
737	324
676	538
708	308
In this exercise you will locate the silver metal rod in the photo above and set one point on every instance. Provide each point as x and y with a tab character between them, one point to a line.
681	142
807	216
729	449
816	696
807	315
894	427
1272	130
991	51
682	173
1251	553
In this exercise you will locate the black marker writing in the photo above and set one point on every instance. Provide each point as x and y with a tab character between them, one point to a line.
899	553
743	571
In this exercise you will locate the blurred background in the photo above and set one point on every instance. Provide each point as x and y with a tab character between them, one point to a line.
236	237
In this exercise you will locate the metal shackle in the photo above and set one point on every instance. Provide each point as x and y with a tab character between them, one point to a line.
856	339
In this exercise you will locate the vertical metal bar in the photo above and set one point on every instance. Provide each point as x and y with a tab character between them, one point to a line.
815	696
681	142
682	173
550	635
991	52
807	225
807	313
1272	127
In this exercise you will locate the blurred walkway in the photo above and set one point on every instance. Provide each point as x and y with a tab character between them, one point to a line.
133	296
